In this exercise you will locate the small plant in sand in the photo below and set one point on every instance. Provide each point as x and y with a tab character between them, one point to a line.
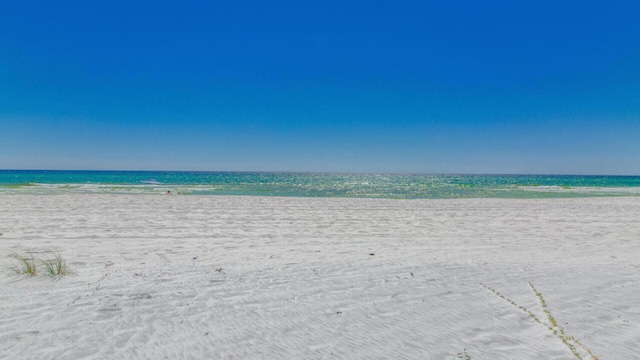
26	265
57	266
553	326
463	355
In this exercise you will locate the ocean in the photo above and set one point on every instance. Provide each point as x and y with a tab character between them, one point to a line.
393	186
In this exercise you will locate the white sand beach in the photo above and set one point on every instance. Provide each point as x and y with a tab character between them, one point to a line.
213	277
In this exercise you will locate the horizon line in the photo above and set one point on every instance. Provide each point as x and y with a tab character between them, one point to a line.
321	172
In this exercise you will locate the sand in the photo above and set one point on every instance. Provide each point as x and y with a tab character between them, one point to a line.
209	277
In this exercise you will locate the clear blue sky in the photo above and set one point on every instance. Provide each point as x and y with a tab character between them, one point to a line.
363	86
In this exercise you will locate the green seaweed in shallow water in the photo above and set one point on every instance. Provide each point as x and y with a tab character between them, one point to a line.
17	186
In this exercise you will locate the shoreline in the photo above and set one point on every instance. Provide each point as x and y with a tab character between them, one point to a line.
287	277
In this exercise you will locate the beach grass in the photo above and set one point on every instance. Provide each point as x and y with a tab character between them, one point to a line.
29	265
57	266
26	265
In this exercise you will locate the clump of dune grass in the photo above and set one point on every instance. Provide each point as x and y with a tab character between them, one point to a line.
26	265
57	266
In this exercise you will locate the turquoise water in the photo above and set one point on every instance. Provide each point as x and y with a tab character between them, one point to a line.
396	186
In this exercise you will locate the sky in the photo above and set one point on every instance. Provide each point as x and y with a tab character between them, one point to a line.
535	87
